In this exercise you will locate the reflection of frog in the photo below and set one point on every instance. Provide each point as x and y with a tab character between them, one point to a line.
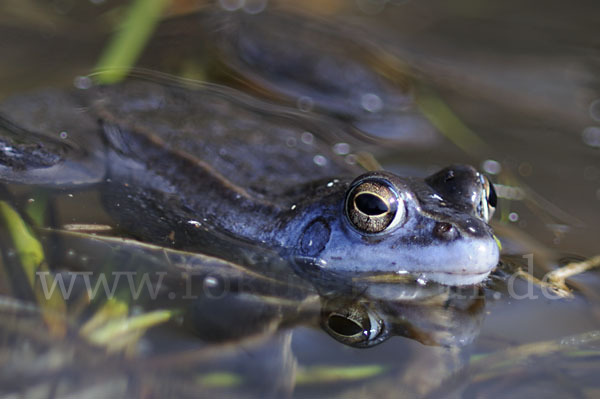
317	65
177	164
360	316
432	315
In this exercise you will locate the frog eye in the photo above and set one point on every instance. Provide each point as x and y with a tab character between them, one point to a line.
489	199
354	326
373	207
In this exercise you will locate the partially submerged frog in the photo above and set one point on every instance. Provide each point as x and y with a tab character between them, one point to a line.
179	165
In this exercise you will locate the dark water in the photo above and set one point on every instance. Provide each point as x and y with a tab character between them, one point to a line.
523	76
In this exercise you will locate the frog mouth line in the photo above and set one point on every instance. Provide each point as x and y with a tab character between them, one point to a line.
454	278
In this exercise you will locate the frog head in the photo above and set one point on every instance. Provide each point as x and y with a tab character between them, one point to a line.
435	227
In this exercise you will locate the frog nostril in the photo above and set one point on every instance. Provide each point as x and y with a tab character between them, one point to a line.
445	231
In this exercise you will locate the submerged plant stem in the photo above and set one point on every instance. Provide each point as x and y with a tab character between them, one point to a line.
449	124
127	44
31	258
325	374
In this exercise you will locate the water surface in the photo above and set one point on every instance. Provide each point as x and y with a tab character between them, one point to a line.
522	76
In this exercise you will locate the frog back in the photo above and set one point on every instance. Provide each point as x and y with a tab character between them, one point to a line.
261	148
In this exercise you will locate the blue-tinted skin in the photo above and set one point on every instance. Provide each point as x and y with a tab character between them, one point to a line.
169	160
462	253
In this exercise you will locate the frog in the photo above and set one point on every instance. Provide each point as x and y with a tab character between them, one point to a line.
184	166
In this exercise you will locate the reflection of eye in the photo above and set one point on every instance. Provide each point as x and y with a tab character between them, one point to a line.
489	199
344	326
355	326
373	207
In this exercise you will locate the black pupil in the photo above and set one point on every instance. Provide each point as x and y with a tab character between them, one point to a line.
344	326
370	204
492	197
